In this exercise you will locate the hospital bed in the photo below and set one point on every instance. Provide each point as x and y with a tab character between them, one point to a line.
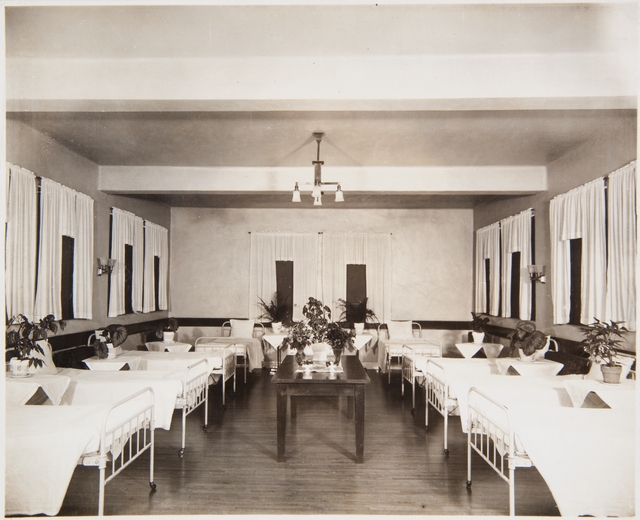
414	361
567	444
43	444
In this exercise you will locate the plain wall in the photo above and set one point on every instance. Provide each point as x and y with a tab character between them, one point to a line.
431	251
613	148
45	157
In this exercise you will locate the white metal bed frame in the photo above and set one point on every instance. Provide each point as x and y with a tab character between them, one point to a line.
195	391
438	396
409	372
394	351
241	349
131	437
228	369
495	442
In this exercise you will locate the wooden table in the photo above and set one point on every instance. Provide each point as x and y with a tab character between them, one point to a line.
349	383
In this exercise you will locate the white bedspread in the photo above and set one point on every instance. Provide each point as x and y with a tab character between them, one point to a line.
586	456
90	387
171	361
396	345
42	447
254	348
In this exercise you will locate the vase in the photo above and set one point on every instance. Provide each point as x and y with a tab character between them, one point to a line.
300	357
19	367
276	326
337	355
478	337
359	328
167	337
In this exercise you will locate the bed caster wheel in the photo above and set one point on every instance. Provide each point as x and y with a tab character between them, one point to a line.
181	453
426	427
468	484
153	486
204	428
413	411
446	452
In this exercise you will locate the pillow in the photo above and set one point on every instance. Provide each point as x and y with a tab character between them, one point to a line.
400	330
49	366
242	328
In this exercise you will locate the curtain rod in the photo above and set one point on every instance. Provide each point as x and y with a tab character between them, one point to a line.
322	232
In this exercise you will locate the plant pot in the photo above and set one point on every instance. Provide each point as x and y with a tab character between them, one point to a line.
167	337
359	327
19	367
611	374
478	337
276	326
112	351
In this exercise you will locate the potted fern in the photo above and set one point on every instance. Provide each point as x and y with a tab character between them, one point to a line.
600	341
478	325
108	340
22	335
276	311
357	313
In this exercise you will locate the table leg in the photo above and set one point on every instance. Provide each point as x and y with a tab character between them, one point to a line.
350	407
282	421
294	406
359	403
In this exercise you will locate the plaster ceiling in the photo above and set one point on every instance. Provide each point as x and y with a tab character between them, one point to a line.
172	124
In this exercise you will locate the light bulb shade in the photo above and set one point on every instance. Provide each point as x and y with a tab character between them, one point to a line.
317	191
317	201
339	195
296	195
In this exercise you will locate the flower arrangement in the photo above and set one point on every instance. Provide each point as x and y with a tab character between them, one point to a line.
317	327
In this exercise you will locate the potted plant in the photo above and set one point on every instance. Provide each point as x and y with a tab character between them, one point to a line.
276	311
166	331
108	340
338	337
600	341
357	313
22	335
478	326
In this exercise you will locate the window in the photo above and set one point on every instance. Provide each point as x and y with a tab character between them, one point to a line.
156	281
487	281
356	288
128	279
284	285
515	284
66	283
575	255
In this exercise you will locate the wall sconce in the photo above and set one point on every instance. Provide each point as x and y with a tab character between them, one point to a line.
537	273
105	265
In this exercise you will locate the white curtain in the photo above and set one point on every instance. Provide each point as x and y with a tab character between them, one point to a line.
579	213
516	236
57	218
371	249
488	247
621	270
83	259
266	249
156	243
126	228
21	239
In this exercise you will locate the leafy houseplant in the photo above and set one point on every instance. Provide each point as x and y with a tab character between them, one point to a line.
276	311
478	326
316	327
600	341
167	329
110	337
22	335
357	314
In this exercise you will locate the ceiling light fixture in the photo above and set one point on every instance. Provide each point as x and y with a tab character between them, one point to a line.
318	187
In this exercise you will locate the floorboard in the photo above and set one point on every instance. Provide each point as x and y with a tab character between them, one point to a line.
231	468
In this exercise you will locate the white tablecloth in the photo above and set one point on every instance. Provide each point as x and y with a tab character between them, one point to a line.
113	364
543	367
169	346
361	340
275	340
20	389
615	396
468	350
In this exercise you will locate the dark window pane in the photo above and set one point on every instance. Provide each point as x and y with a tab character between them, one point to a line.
156	279
487	281
515	284
128	279
356	289
68	244
576	280
284	285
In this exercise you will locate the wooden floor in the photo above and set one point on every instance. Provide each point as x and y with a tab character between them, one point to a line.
231	468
